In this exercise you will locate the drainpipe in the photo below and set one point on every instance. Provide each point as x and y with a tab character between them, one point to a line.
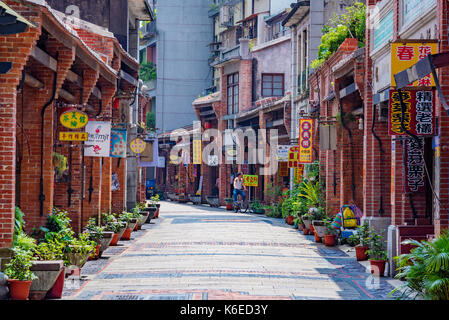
294	93
381	209
52	99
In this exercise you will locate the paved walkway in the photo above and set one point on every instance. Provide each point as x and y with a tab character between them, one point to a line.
196	252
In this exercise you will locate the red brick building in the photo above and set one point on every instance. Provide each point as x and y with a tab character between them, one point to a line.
55	65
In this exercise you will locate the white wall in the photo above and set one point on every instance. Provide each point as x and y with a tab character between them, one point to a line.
280	5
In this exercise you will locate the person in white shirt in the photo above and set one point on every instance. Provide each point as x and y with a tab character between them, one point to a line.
239	188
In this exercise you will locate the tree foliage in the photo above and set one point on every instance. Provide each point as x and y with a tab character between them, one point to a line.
351	24
147	72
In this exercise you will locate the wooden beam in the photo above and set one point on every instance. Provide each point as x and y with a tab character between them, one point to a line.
128	78
67	96
74	78
33	82
44	58
96	92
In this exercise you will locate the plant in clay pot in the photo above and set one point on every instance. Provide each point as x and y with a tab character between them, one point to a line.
377	254
19	273
95	233
362	240
131	222
330	235
229	204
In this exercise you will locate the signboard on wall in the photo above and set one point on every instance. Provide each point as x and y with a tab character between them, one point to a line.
293	157
305	140
414	168
282	153
419	116
118	143
299	171
283	169
251	180
197	152
405	55
99	139
74	119
73	136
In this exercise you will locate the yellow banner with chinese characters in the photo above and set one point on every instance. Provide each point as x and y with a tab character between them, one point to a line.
197	152
251	180
74	119
299	171
406	54
293	157
305	140
73	136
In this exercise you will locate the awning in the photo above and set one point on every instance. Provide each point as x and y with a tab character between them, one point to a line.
11	22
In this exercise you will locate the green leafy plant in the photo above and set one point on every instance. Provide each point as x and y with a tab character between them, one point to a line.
329	229
274	211
376	247
363	235
83	244
50	251
351	24
19	266
229	200
94	231
25	242
126	216
425	269
19	222
311	192
257	205
59	163
154	200
147	72
151	120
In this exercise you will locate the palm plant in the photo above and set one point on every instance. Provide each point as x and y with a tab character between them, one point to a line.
311	192
425	269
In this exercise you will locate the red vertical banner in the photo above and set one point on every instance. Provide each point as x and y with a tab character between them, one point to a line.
305	140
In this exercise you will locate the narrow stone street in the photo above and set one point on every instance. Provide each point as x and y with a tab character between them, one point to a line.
200	253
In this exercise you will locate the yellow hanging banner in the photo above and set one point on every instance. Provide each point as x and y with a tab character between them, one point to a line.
74	119
305	140
197	152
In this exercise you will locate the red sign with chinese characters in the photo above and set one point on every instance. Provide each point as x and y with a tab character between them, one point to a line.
293	157
419	115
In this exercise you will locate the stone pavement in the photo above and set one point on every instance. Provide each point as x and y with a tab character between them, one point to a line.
196	252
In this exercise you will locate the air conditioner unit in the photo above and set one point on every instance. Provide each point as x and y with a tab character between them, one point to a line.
225	15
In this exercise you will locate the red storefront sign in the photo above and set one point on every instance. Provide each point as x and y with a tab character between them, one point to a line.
419	115
414	167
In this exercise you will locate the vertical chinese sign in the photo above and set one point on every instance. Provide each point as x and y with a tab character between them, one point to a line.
197	152
419	114
299	171
414	169
283	169
405	55
293	157
305	140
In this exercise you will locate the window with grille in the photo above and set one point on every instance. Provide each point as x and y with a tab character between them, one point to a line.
233	93
272	85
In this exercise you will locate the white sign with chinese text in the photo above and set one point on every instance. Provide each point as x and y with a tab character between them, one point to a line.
98	143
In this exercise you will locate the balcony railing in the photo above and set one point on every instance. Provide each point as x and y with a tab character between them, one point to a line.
149	30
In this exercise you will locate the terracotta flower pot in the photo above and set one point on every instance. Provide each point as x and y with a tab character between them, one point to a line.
312	228
289	220
114	240
96	254
329	240
305	231
377	267
127	234
229	207
317	238
19	290
360	253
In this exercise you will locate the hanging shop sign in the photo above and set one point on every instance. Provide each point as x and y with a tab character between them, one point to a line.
282	153
419	115
118	143
99	140
299	171
74	119
73	136
293	157
405	55
245	168
251	180
212	161
115	182
283	169
414	168
137	146
174	159
161	162
197	152
305	140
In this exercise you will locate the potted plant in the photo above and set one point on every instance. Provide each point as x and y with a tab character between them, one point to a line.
319	222
257	207
19	273
154	202
307	220
96	235
330	235
300	223
131	223
111	224
362	239
78	250
229	204
377	255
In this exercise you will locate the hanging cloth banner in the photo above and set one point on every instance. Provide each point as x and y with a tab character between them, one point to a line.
150	157
99	141
118	143
299	171
293	157
414	168
419	116
197	152
305	140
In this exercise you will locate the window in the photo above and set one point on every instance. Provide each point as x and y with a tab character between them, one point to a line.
233	93
272	85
